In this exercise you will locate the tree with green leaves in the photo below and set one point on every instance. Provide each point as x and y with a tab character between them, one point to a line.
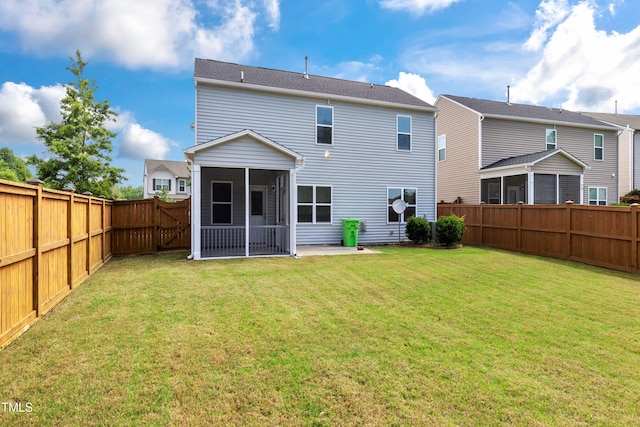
13	168
80	144
129	192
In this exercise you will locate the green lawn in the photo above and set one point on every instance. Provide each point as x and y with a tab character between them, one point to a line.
410	336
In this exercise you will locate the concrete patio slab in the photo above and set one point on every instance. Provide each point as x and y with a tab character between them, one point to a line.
320	250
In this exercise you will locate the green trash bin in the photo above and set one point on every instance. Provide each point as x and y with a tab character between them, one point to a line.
350	231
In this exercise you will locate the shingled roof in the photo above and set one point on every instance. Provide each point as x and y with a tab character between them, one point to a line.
502	109
618	119
533	158
178	169
225	72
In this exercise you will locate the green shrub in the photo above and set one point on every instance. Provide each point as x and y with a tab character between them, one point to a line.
449	229
418	230
634	192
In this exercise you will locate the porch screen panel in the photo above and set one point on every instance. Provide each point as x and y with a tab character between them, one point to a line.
544	189
569	188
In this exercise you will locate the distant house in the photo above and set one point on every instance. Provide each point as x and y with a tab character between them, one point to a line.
280	158
172	175
628	145
501	153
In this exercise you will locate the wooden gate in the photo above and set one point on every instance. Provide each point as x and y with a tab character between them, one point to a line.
150	225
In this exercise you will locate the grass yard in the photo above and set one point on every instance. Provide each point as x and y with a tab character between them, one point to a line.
406	337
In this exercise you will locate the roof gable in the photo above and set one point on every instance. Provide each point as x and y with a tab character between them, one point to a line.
270	79
178	169
534	158
533	113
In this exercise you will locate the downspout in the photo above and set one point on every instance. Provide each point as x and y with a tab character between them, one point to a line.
480	120
190	256
293	201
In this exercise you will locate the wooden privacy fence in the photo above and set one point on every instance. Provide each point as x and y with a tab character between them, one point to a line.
51	241
150	225
606	236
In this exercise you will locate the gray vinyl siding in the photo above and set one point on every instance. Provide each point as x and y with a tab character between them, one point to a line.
364	160
245	152
458	175
636	160
509	138
557	164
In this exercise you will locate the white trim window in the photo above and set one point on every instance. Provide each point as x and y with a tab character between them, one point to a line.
598	146
410	197
324	125
315	204
552	139
403	124
598	196
160	184
182	186
221	203
442	148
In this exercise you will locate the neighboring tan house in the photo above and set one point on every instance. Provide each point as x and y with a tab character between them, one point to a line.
282	157
174	176
502	153
628	146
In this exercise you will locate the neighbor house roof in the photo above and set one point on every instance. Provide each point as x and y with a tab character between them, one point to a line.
178	169
237	75
617	119
533	113
533	158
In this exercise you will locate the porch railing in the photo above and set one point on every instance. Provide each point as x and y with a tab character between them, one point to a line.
229	241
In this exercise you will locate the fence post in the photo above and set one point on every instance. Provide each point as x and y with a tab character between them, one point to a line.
88	264
156	223
520	203
37	234
634	237
567	220
481	224
70	235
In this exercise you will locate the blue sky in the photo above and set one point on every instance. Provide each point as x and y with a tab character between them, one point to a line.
578	55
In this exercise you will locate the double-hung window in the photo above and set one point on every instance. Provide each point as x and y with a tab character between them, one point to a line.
324	125
552	139
597	195
182	186
160	184
408	195
442	148
221	203
598	146
314	204
404	132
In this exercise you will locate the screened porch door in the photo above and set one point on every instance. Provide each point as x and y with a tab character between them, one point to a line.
258	213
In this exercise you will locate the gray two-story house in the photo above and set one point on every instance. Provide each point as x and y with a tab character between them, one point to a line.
281	158
502	153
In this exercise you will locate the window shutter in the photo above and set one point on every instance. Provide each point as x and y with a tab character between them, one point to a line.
154	185
170	184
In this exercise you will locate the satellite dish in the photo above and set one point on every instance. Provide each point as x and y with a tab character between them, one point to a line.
399	206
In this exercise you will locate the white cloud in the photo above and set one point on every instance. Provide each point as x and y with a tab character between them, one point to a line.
139	34
23	108
413	84
548	15
139	143
417	6
359	71
583	68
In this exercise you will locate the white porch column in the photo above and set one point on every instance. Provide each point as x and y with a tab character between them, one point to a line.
531	193
582	189
502	189
246	211
196	212
557	188
293	217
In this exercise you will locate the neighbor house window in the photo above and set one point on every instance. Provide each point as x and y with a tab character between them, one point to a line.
409	197
182	185
442	148
597	195
221	203
404	132
161	184
598	146
551	139
324	125
314	204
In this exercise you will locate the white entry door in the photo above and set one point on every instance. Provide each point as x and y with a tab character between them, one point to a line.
257	213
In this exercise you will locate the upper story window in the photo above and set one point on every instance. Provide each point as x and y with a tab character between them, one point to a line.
324	125
314	204
409	197
442	148
182	185
404	133
598	146
552	142
221	202
160	184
